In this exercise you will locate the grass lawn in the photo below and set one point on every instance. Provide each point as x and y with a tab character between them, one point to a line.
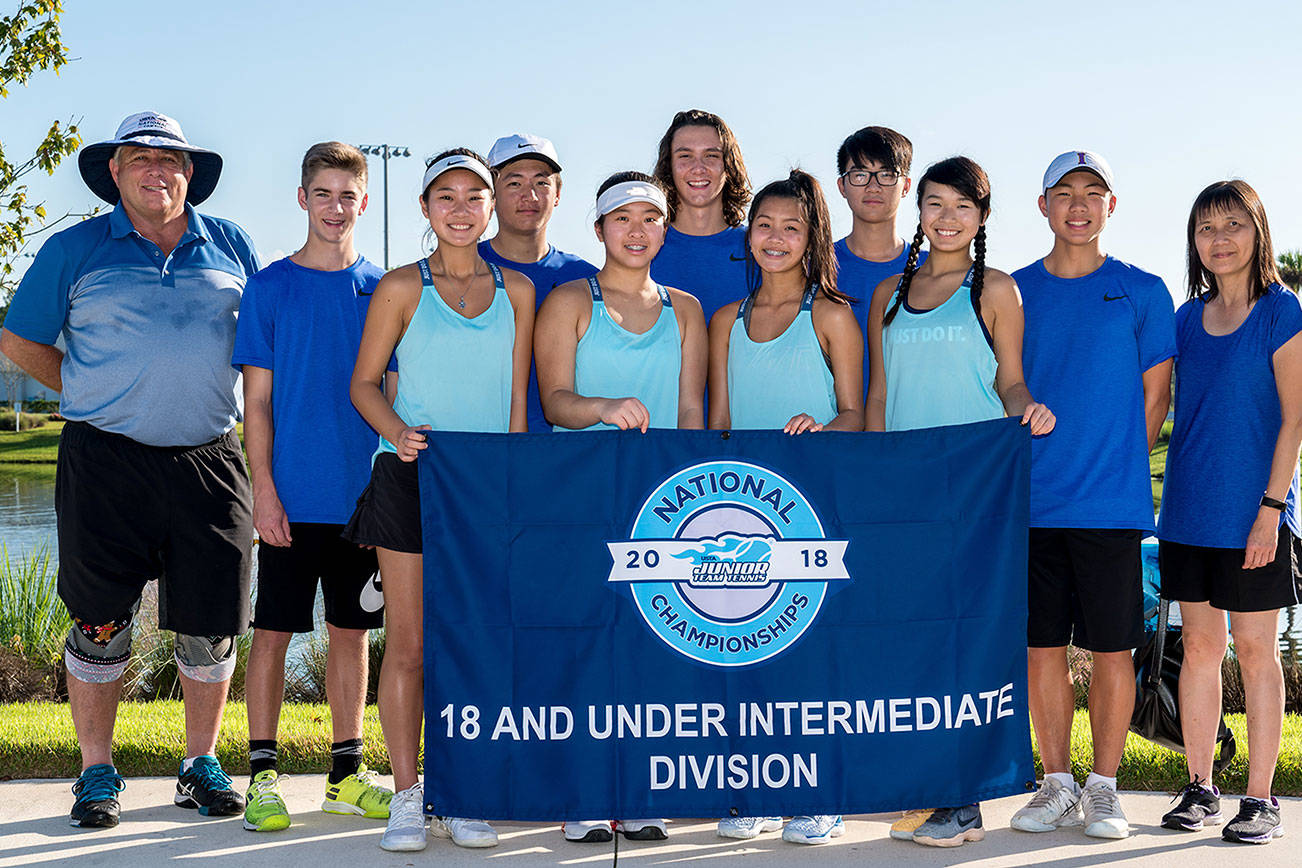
37	446
37	741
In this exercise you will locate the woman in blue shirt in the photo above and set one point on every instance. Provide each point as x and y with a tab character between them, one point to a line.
1229	519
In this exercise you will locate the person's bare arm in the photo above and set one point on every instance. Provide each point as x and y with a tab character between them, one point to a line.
720	338
387	316
1001	309
269	517
521	292
875	405
695	361
1157	398
840	338
1263	538
41	361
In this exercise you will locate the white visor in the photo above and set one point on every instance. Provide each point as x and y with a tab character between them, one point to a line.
628	192
455	161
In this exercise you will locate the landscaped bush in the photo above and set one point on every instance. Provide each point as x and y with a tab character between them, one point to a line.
27	423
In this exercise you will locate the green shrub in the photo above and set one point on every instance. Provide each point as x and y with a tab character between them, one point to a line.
27	423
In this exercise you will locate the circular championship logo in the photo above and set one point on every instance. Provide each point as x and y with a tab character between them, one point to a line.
727	563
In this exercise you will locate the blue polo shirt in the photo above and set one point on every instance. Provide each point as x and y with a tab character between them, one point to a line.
710	267
551	271
305	326
148	336
1087	344
858	277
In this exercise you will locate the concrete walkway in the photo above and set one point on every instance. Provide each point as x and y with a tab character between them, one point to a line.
34	830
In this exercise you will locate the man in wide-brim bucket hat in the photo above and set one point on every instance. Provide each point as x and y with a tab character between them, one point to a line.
148	130
152	484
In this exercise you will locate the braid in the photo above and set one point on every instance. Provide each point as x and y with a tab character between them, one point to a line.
979	269
910	266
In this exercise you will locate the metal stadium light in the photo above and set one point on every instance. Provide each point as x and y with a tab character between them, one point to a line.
385	151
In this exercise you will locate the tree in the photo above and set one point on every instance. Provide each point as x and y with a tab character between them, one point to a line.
30	42
1290	268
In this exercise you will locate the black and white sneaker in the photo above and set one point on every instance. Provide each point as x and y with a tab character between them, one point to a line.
206	787
97	798
1256	823
1200	805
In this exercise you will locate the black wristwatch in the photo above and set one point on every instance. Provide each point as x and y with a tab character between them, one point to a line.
1272	503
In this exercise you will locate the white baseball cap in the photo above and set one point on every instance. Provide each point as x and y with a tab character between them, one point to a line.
521	145
628	192
455	161
1071	161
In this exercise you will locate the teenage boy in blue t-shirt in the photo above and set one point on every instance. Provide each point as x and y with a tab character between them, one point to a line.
1098	348
309	455
699	166
526	192
872	167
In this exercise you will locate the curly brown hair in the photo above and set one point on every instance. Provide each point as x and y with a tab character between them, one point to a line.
736	183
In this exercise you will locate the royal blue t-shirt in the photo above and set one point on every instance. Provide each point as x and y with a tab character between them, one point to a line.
1227	418
305	326
546	274
858	277
1087	344
710	267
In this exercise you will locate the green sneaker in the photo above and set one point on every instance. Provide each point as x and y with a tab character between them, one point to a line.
358	794
264	808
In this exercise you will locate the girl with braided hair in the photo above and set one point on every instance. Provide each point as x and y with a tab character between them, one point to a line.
945	339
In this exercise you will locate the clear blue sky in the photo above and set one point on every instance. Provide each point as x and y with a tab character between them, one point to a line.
1175	95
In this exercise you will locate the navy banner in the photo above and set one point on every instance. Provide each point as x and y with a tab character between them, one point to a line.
692	624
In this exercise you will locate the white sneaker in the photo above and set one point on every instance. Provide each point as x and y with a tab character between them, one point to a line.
747	827
463	832
406	829
642	830
1053	806
1103	817
587	831
818	829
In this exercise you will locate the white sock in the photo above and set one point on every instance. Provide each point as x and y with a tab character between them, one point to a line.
1063	778
187	763
1094	778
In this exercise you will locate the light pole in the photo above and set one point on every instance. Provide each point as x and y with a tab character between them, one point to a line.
386	151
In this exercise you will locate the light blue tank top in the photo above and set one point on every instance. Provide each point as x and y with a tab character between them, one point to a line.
771	381
455	371
940	365
612	362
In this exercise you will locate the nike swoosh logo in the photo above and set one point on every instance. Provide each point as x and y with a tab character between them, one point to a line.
1107	297
372	596
736	258
524	145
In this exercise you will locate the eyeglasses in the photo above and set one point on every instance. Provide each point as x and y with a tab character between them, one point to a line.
861	177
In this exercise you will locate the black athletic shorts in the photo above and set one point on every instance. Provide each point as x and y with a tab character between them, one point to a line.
287	579
388	512
1201	574
1086	588
130	513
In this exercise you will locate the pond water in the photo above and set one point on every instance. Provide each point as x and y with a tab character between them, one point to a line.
27	524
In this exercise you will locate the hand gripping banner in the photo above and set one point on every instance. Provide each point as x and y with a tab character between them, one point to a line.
700	624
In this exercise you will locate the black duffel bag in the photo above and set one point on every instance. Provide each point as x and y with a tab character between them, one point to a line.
1157	693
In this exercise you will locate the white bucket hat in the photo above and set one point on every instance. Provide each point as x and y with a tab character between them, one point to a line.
148	130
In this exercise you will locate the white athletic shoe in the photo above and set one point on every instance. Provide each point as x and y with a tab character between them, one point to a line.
1052	807
1103	816
642	830
406	829
587	831
747	827
463	832
818	829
